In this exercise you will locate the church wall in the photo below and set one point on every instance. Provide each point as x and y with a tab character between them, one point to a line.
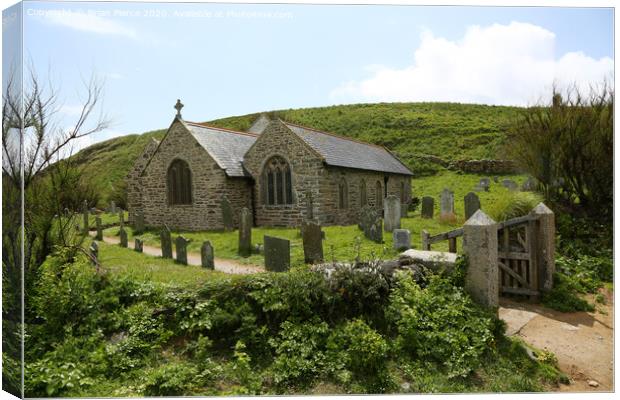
134	188
209	185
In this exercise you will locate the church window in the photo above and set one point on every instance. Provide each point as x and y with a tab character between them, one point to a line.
378	195
363	198
279	189
343	194
179	182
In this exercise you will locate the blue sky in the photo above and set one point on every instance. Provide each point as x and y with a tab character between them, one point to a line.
225	59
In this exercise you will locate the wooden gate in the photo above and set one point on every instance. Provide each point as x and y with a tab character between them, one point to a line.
517	256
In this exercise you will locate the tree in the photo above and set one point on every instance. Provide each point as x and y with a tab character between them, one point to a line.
568	147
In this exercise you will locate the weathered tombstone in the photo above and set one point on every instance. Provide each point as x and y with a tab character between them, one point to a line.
112	207
376	231
207	255
401	239
510	184
428	207
227	214
309	205
138	245
312	239
529	185
391	207
138	222
121	218
485	183
99	235
277	254
447	203
480	246
181	245
166	242
370	221
85	216
472	204
245	233
94	253
496	179
123	234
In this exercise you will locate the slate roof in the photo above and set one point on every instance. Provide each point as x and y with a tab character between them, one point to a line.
227	147
346	152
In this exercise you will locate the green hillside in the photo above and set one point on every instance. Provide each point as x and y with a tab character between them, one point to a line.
448	130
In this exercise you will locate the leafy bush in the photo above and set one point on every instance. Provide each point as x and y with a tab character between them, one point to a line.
441	323
513	204
565	295
360	348
171	380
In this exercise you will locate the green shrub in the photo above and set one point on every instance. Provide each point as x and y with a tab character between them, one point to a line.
359	347
513	204
565	295
171	380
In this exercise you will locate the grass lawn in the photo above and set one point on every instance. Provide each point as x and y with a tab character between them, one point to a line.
107	219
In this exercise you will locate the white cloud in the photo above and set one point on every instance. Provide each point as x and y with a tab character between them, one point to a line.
510	64
89	23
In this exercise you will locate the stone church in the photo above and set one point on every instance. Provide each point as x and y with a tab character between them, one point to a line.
283	172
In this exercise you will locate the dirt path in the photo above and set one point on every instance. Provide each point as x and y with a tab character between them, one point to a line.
582	341
221	264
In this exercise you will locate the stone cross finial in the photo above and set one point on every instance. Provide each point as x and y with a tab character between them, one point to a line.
178	107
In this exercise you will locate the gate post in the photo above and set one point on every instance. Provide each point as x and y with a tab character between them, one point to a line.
545	236
480	246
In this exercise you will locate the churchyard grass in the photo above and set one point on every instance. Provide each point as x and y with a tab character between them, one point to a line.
107	219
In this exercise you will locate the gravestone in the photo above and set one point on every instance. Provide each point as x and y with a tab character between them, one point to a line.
138	245
123	235
370	221
99	235
391	207
510	184
529	185
85	217
309	205
112	207
312	239
485	183
277	254
472	204
181	245
447	203
401	239
428	207
121	217
94	252
207	255
376	231
227	214
496	179
245	233
138	222
166	242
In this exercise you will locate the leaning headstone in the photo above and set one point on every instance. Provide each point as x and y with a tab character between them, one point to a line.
472	204
277	254
428	206
370	221
401	239
166	242
138	222
227	214
375	232
121	218
94	253
245	233
207	255
447	203
99	235
85	216
312	239
391	207
510	184
138	245
112	207
181	245
123	234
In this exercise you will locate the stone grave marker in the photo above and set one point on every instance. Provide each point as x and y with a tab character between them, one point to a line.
94	252
370	221
277	254
123	235
138	245
207	255
312	239
391	207
376	231
529	185
510	184
472	204
447	202
496	179
227	214
99	235
401	239
245	233
138	222
181	245
428	207
485	183
166	242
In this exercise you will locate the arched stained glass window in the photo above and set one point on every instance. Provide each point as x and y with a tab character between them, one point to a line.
279	187
179	183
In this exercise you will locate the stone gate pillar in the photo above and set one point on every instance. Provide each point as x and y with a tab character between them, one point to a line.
545	236
480	246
